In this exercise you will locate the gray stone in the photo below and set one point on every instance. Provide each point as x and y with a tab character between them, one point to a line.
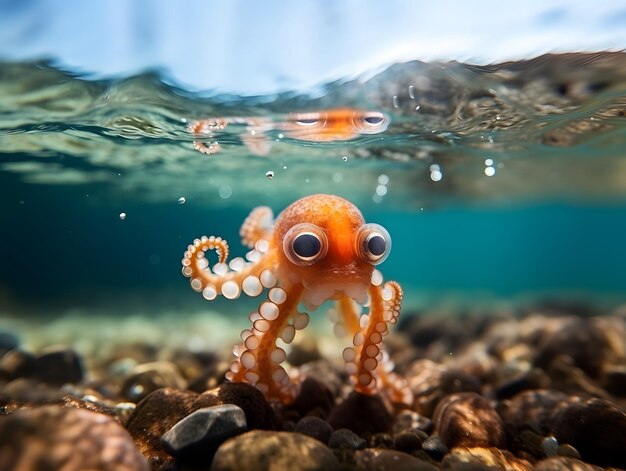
204	430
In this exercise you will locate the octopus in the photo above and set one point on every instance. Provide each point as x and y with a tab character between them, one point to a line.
341	124
319	248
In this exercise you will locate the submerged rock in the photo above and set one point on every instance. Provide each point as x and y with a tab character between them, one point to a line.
202	431
361	413
374	459
258	449
468	420
596	428
54	437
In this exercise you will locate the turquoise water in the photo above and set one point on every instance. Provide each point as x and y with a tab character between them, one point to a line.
501	183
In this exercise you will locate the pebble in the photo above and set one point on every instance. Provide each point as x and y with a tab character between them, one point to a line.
563	464
596	429
431	382
55	437
259	414
361	413
468	420
314	427
408	420
146	378
58	366
487	459
345	439
17	364
435	447
373	459
259	449
204	429
580	339
407	442
534	407
156	414
313	395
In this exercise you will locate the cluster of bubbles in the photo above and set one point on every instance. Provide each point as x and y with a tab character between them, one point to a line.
490	169
381	188
435	173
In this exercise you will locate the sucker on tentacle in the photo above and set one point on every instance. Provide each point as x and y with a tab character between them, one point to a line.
319	248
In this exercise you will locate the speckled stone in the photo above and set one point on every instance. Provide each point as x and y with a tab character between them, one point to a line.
55	437
314	427
488	459
468	420
361	413
375	459
345	439
596	428
560	463
259	450
202	431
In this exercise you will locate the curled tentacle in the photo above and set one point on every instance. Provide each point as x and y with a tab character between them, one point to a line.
229	280
259	357
367	362
257	226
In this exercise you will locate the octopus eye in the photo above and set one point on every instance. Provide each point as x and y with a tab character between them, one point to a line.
373	243
373	119
305	244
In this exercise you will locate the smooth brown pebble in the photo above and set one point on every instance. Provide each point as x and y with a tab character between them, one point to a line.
376	459
259	450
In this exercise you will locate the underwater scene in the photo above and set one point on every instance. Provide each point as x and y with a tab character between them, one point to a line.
417	268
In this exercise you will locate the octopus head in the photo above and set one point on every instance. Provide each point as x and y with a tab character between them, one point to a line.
324	243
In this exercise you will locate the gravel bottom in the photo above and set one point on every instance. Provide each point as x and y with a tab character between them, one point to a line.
543	388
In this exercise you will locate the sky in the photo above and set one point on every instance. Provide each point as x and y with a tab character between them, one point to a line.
255	47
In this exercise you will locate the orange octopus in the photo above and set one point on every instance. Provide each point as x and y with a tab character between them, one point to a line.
339	124
319	248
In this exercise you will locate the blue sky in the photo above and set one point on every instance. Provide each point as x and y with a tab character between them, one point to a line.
251	47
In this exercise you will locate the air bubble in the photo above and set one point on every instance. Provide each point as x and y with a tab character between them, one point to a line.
122	216
269	174
225	192
182	200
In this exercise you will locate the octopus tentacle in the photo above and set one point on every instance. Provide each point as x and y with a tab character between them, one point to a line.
257	226
228	280
259	358
367	362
